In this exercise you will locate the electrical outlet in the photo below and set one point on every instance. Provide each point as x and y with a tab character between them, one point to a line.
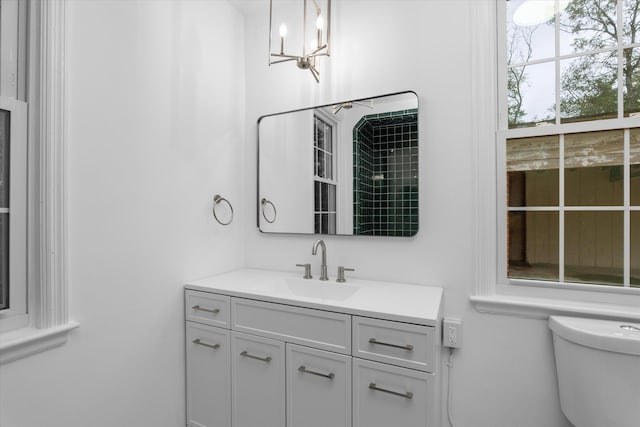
452	333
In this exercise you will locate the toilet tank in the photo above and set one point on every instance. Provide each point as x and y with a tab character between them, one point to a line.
598	366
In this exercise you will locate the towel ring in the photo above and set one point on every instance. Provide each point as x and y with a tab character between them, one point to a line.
217	199
275	213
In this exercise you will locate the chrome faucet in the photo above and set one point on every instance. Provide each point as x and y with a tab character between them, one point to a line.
323	267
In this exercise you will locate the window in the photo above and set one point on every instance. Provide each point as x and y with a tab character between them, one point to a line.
13	164
569	143
36	193
325	182
13	179
5	137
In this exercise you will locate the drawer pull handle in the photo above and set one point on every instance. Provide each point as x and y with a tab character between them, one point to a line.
214	346
407	395
320	374
208	310
407	347
251	356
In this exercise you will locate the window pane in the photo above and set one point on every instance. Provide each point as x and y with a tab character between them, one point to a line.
532	171
635	185
531	94
634	160
331	227
594	171
4	157
320	164
319	128
631	82
533	245
327	138
589	87
594	246
332	197
4	261
631	16
324	197
329	165
635	249
316	195
588	25
528	42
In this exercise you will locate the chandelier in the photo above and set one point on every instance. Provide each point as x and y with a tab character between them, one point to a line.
303	34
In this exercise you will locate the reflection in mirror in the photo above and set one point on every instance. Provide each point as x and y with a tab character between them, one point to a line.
349	168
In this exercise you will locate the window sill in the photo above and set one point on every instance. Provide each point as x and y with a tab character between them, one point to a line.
28	341
542	308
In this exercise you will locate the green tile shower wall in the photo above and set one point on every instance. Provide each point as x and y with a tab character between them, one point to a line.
386	146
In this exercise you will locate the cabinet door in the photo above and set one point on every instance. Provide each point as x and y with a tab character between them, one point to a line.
318	388
258	387
208	376
385	395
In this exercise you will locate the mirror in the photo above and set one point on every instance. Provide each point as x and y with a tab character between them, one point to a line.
349	168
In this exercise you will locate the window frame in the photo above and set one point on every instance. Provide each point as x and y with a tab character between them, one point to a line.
493	291
47	320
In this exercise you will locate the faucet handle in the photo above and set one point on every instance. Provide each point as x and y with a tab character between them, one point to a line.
341	271
307	270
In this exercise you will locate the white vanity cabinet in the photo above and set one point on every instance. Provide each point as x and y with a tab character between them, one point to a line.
261	360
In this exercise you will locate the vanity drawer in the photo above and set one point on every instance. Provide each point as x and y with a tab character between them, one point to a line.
315	328
207	308
402	344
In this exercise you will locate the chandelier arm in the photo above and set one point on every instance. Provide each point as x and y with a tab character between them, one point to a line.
316	55
317	6
314	52
282	55
283	60
316	74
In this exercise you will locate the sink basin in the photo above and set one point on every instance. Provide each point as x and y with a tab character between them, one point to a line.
308	288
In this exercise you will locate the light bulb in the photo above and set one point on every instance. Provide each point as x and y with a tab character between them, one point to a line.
534	12
283	33
320	22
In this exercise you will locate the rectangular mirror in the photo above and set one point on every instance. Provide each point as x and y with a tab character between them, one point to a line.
349	168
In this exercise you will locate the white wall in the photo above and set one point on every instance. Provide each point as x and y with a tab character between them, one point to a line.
155	129
505	374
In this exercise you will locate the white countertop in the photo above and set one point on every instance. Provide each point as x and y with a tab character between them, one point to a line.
393	301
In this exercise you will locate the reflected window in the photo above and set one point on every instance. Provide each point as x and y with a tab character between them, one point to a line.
324	181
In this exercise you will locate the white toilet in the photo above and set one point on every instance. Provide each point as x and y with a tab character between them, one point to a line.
598	364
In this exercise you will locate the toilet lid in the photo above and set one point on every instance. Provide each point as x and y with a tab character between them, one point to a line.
608	335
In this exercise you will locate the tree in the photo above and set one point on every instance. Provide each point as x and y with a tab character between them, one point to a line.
590	83
519	52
